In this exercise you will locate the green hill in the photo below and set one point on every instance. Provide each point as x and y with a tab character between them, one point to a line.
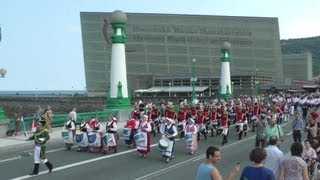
296	46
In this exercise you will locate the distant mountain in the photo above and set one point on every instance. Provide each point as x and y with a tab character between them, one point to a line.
296	46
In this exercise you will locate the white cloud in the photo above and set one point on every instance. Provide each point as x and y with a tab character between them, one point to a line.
300	28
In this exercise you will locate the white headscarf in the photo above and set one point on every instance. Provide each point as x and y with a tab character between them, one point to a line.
170	120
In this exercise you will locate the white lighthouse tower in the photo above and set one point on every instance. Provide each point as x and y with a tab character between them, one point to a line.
118	87
225	78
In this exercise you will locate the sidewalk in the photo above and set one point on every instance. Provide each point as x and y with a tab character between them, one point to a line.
20	139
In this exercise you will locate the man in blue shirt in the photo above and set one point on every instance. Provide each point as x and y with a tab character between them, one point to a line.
207	170
297	125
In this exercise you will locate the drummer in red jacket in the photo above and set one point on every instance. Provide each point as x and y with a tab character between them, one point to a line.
130	129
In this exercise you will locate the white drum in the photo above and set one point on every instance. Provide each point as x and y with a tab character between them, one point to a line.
163	144
65	134
139	137
79	137
188	137
94	139
126	132
82	139
109	139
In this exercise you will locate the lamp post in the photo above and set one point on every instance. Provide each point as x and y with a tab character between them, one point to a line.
193	80
232	87
3	73
169	89
257	82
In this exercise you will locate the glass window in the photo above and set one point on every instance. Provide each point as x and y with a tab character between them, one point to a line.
186	82
177	83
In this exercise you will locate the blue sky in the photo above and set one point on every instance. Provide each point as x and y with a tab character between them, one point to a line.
41	45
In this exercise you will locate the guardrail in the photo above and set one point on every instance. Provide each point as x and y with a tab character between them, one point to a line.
59	120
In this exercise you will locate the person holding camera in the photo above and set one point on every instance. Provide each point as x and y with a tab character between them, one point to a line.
208	171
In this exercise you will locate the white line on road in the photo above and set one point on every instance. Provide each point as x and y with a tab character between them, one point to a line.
118	154
10	159
156	173
288	134
83	162
31	151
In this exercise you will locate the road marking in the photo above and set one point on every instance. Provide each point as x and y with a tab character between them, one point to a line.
156	173
10	159
53	150
31	151
288	134
83	162
118	154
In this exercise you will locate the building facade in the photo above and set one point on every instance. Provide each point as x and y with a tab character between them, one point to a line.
298	68
160	49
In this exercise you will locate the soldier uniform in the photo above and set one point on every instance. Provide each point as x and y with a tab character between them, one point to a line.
40	137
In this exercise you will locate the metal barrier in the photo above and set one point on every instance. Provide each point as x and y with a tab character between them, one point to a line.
59	120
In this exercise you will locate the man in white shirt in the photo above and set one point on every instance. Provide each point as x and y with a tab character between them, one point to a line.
73	114
274	156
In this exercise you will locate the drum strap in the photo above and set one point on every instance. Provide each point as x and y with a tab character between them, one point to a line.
109	131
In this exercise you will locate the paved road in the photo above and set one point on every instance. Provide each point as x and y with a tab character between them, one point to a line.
126	165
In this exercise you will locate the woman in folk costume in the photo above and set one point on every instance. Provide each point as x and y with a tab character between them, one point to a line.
143	143
70	126
94	136
169	131
191	129
111	139
82	136
40	137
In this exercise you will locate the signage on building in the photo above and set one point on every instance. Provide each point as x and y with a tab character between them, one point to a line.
299	81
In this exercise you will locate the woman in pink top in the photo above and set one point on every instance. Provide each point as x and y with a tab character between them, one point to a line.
309	154
293	167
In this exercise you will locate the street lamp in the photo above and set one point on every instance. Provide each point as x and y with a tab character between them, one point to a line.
232	87
169	89
257	82
193	80
3	72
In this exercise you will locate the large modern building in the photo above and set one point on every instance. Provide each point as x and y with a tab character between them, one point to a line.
160	49
298	68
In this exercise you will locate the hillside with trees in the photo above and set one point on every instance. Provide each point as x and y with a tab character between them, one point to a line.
297	46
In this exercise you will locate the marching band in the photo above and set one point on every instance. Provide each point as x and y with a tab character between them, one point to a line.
188	122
